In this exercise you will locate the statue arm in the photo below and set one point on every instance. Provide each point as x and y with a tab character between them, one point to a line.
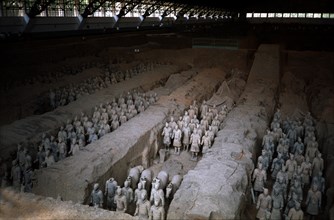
265	176
135	197
131	195
254	175
307	198
281	203
270	204
162	213
148	208
273	164
125	205
258	202
290	214
322	164
313	164
91	198
152	196
106	189
101	199
137	208
150	215
162	196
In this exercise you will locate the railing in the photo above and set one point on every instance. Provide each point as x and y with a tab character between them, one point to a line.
215	43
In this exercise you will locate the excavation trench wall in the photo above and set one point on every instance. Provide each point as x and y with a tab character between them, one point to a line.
134	143
16	205
29	130
218	187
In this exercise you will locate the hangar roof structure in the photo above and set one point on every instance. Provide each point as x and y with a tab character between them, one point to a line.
19	16
36	7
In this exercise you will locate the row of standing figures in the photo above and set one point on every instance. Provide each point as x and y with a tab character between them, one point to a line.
71	139
141	195
191	133
293	171
64	95
148	200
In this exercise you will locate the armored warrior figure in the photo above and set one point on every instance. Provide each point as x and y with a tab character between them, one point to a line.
186	137
277	115
317	165
195	106
259	178
291	166
299	158
319	180
215	125
16	175
122	118
40	158
120	201
195	141
180	123
172	124
62	149
177	135
269	147
75	148
115	124
290	204
264	160
110	191
298	146
297	190
284	174
267	138
292	135
191	112
49	159
138	192
296	213
157	211
143	207
306	171
97	196
205	123
278	204
186	117
263	204
128	192
206	142
211	134
28	178
313	201
299	129
157	193
281	186
276	165
167	134
20	156
204	109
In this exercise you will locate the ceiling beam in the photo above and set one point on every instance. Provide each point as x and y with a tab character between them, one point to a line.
38	7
